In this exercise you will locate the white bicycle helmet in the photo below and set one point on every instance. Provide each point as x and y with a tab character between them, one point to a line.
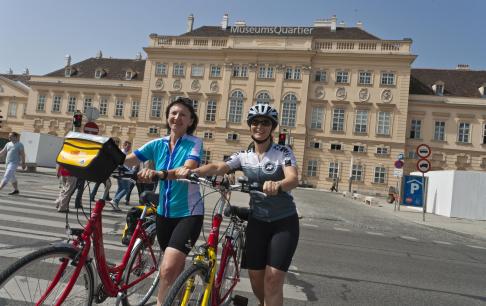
262	110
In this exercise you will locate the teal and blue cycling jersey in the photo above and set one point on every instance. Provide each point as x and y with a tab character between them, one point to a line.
177	199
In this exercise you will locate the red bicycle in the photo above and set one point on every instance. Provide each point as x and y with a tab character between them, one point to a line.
204	282
63	272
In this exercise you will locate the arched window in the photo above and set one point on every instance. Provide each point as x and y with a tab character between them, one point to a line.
263	98
236	107
289	110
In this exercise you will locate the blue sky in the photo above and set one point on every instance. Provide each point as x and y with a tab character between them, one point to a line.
37	34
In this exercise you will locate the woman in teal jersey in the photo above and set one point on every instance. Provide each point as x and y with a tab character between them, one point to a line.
181	209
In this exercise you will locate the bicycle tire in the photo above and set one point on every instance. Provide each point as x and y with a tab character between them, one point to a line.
229	268
140	293
38	269
196	272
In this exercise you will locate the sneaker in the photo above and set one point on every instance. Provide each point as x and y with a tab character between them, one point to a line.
14	192
114	205
127	203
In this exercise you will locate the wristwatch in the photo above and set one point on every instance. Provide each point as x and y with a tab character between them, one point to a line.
165	173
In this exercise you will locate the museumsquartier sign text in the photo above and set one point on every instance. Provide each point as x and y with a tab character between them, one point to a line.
275	30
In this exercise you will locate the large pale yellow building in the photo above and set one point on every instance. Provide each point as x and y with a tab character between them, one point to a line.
344	96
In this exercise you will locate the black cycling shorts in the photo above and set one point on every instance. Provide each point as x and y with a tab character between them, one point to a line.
271	243
178	233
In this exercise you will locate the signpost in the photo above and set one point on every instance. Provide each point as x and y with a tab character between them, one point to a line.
413	190
423	165
398	172
91	128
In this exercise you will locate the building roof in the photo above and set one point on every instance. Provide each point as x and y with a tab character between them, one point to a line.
113	69
460	83
317	33
22	78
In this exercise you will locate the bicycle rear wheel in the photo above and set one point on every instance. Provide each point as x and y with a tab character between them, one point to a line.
189	287
141	262
229	269
26	280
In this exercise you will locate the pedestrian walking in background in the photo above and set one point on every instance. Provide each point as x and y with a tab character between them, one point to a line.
123	184
67	189
14	150
335	184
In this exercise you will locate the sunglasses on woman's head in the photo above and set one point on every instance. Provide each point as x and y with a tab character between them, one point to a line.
264	122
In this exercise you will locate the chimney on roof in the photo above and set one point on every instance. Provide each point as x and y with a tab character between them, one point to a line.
26	71
240	23
190	23
224	23
333	23
342	24
462	67
67	60
138	57
10	71
359	25
99	54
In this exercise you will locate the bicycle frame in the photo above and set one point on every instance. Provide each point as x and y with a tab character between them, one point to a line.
83	243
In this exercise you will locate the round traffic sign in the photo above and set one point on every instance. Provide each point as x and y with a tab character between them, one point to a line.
91	128
423	165
399	164
423	151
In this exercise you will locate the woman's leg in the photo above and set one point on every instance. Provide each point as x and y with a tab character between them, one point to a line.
257	281
172	265
273	287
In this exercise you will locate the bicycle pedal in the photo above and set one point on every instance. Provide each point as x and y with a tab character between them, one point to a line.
239	300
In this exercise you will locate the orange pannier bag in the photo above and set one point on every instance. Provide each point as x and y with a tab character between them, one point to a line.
90	157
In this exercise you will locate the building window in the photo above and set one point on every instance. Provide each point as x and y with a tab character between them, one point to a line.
342	77
361	121
317	117
289	110
334	170
263	98
464	132
315	144
293	73
128	75
135	108
265	72
388	78
156	107
208	135
412	155
178	70
357	173
415	129
320	76
232	137
103	106
119	108
206	157
41	103
161	69
438	89
211	110
240	71
364	78
12	109
236	107
197	70
67	72
71	104
98	73
312	168
359	148
336	147
88	102
215	71
439	130
337	120
380	175
383	125
382	151
153	131
484	134
56	104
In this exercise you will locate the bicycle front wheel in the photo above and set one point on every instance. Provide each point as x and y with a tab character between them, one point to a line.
189	287
140	263
228	274
26	281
